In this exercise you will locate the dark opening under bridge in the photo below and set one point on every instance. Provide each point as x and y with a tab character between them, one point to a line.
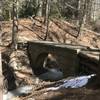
66	55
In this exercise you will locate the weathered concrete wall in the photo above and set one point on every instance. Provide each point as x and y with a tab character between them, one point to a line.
65	54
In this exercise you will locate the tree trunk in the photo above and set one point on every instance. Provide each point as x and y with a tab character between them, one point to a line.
9	15
89	11
47	11
15	25
39	4
82	15
95	9
1	77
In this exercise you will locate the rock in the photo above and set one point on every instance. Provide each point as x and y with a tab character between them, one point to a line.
17	92
52	75
9	77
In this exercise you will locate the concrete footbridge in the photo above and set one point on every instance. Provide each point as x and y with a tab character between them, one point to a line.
66	56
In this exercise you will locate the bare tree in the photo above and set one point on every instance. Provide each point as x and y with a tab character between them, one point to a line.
47	11
95	9
39	4
15	24
1	77
82	14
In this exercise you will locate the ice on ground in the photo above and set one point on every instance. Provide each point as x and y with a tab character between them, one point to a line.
73	83
17	92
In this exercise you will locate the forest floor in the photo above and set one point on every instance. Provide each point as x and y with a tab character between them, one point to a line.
60	31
